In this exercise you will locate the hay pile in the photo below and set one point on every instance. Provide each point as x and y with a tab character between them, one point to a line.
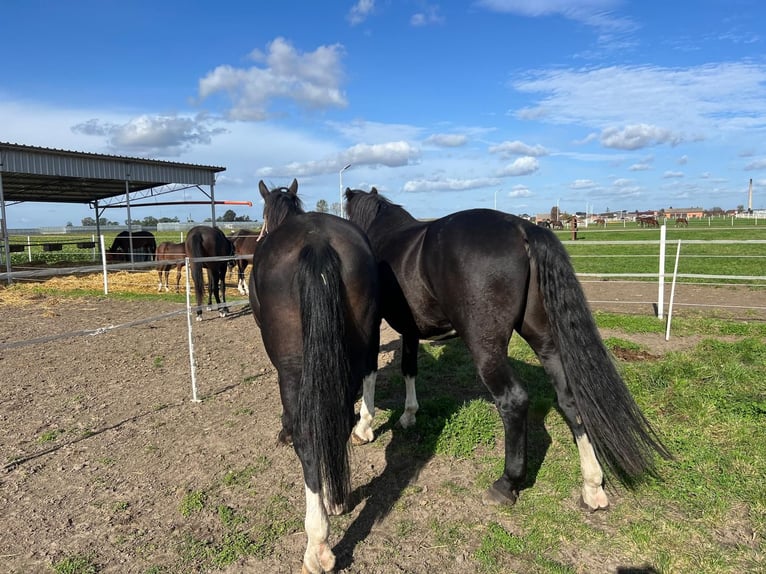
27	292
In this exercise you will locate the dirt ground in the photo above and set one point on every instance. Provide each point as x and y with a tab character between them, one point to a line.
101	442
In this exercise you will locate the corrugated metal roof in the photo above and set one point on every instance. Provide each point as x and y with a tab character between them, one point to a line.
41	174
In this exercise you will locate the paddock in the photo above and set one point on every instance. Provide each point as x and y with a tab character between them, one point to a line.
113	461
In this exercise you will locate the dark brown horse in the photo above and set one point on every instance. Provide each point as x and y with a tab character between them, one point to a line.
143	243
481	275
169	255
682	222
314	295
209	247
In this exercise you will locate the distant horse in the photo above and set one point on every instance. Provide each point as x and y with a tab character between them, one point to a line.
204	242
600	222
556	224
314	295
544	223
144	247
480	275
682	222
169	254
244	241
648	221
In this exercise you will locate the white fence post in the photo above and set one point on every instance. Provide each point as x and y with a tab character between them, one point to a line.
103	265
192	364
661	278
672	291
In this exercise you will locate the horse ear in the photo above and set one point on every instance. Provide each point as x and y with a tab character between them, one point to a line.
263	189
293	189
349	194
374	191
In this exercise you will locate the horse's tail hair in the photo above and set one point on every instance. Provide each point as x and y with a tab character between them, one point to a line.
196	267
622	437
325	407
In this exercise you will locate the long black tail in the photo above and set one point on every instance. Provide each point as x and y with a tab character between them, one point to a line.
325	406
196	267
622	437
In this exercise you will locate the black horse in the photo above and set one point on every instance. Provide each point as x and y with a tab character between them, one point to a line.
206	247
143	247
480	275
314	295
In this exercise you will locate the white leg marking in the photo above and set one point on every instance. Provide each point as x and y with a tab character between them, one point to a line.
410	404
593	477
363	430
318	557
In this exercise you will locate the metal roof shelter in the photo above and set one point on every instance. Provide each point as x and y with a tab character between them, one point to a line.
38	174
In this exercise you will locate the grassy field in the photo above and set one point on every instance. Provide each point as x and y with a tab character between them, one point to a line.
718	248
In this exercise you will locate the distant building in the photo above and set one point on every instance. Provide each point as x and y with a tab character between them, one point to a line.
687	212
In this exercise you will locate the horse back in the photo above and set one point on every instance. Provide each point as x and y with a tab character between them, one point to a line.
470	266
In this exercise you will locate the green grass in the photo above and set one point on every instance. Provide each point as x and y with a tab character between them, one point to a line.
76	564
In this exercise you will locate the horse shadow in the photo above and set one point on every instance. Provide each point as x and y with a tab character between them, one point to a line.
444	385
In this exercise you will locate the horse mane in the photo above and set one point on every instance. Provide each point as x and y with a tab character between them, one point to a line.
279	205
365	207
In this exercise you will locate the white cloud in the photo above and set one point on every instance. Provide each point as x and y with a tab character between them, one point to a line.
520	191
694	102
447	140
430	15
391	154
508	149
152	135
448	184
582	184
360	11
596	13
520	166
311	80
757	164
638	136
672	174
683	160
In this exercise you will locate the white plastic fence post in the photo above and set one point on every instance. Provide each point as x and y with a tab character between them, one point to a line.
672	291
192	364
103	265
661	278
29	248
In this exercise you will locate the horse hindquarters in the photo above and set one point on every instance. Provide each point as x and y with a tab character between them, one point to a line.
325	398
596	402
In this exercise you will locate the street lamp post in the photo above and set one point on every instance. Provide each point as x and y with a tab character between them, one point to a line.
496	199
340	179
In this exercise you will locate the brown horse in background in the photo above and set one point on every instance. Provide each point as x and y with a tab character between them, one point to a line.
244	241
167	255
682	222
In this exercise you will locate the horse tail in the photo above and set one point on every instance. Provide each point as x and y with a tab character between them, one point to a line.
325	407
622	437
194	242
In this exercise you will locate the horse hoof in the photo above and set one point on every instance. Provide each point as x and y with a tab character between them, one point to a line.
496	496
284	438
199	317
356	440
588	508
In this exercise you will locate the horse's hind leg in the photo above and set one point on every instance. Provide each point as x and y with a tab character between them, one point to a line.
222	311
362	433
593	495
410	345
512	401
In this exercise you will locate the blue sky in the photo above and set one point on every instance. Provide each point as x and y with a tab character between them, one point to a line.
442	106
